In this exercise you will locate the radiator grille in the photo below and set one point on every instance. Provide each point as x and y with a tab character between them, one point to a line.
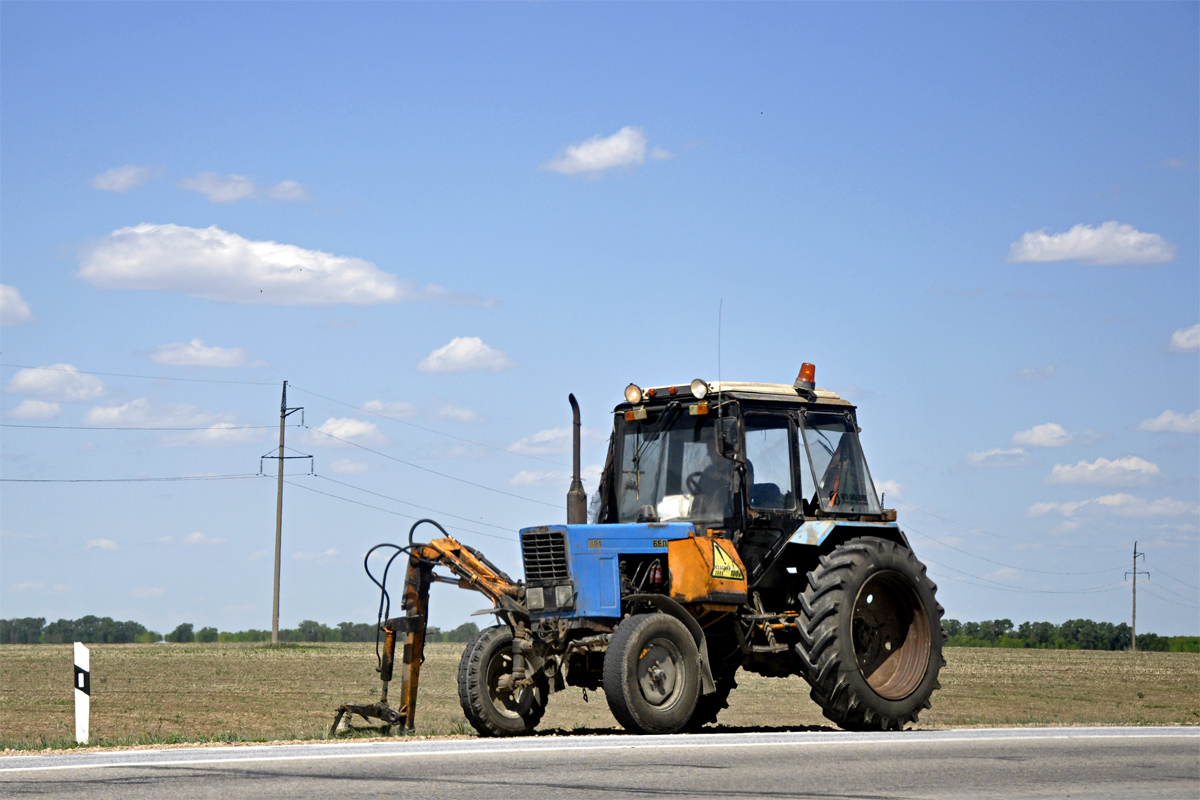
545	557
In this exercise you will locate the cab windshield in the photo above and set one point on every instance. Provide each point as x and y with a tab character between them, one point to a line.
843	483
671	470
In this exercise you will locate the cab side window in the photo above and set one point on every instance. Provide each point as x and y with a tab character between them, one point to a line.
769	457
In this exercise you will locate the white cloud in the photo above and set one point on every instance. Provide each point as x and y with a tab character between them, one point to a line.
13	308
624	148
1126	470
535	478
458	414
60	383
1172	422
1111	243
220	433
35	587
215	265
344	466
351	430
1124	505
660	154
231	188
200	538
1051	434
891	488
122	179
102	544
1185	340
38	410
553	440
320	558
139	412
287	190
147	592
1031	374
464	353
999	457
197	354
391	408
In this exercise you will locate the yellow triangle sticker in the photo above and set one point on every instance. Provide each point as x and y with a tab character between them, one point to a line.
724	566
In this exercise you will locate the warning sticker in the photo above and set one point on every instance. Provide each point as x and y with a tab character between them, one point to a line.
724	566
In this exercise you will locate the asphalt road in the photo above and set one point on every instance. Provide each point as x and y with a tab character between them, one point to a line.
1120	763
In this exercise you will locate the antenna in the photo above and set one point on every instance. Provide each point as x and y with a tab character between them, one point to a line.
720	408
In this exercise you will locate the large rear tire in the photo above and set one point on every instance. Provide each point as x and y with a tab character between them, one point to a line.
490	710
652	674
871	635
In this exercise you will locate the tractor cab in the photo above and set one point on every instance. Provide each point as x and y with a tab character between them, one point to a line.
750	461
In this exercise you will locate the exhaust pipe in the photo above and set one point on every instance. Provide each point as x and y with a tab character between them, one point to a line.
576	496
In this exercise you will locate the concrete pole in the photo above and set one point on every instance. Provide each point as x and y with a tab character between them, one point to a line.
278	520
1135	572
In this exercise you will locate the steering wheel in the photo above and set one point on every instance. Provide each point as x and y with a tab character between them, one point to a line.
693	483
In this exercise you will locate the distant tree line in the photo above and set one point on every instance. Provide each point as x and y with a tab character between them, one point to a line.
1074	634
106	630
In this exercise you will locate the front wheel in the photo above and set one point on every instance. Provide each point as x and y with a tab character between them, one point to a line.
652	674
871	635
491	710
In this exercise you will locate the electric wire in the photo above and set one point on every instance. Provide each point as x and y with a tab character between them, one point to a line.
144	377
407	503
390	511
135	480
973	529
216	426
429	430
1170	591
1168	600
431	471
1010	566
1010	587
1169	575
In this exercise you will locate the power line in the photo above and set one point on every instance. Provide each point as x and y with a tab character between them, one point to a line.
1010	566
388	510
1010	587
431	430
1172	577
973	529
431	471
134	480
414	505
1168	600
214	427
144	377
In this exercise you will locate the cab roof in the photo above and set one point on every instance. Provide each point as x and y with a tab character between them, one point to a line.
739	390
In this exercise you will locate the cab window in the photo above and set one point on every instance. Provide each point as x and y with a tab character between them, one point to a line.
769	462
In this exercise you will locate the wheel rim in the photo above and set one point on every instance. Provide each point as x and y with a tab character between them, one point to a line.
506	703
891	635
658	673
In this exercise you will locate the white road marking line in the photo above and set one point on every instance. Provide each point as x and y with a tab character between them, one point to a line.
713	740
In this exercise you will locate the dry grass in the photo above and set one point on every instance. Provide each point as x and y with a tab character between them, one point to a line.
234	692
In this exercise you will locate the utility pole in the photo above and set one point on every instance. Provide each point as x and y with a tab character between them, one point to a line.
284	413
1135	572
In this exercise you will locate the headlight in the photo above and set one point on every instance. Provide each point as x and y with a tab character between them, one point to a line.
535	599
633	394
699	389
563	596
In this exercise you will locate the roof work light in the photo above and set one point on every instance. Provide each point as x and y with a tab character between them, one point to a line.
633	394
699	389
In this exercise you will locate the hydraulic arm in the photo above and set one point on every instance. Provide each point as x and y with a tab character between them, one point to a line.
471	570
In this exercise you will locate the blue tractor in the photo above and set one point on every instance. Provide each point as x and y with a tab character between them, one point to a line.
736	526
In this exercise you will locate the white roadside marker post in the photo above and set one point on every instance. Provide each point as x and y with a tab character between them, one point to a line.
83	693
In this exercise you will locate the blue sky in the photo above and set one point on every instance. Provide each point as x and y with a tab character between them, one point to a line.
435	221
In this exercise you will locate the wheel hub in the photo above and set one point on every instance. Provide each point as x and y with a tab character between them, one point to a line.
657	672
891	635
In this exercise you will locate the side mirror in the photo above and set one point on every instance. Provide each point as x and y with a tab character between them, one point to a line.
728	437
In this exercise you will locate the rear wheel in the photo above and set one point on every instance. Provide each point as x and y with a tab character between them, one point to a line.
491	710
708	706
652	674
871	635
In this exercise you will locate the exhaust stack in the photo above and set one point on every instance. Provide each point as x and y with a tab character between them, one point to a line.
576	496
